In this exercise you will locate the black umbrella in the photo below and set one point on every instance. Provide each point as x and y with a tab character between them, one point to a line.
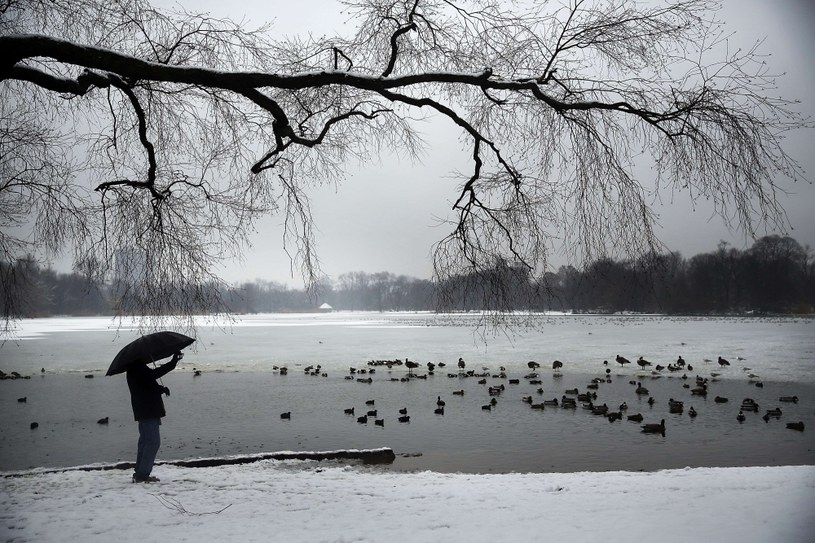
148	348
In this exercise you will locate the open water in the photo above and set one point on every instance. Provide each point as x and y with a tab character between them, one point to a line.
234	406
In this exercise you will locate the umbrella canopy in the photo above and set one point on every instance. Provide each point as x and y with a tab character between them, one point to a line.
148	348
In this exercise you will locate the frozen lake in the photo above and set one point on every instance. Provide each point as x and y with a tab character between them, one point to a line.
234	407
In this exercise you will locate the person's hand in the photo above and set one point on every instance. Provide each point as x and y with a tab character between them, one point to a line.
176	357
166	391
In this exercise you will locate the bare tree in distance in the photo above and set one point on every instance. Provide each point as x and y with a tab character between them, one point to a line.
149	142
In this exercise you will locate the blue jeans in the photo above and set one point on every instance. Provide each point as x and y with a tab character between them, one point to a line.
149	442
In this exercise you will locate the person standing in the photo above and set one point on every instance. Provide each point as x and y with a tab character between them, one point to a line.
148	410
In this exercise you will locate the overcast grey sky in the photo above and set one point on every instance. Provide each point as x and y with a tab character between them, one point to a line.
384	217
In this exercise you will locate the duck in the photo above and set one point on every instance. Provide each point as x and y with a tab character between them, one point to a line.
404	418
440	402
370	402
623	406
654	428
740	417
403	411
286	415
788	399
35	425
379	422
371	413
774	412
349	411
486	407
614	416
635	418
651	400
692	412
458	392
363	419
720	399
24	399
439	411
796	426
556	365
552	402
103	421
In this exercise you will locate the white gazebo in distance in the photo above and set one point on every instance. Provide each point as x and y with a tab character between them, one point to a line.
326	308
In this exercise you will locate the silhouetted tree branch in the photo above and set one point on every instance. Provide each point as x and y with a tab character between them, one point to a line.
189	128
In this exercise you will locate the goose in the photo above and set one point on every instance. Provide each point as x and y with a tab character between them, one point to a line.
654	428
635	418
379	422
439	411
286	415
622	361
461	364
723	362
641	362
788	399
363	419
556	365
533	365
439	401
791	425
680	361
349	411
641	390
411	365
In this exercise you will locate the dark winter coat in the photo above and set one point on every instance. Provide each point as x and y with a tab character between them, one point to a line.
145	392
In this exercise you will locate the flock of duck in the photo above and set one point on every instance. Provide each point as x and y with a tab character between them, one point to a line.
570	398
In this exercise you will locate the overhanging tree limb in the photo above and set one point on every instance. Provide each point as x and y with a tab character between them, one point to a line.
204	126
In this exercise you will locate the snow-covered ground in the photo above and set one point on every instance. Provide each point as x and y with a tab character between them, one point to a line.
295	501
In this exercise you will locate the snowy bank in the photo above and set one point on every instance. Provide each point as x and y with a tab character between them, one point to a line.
310	501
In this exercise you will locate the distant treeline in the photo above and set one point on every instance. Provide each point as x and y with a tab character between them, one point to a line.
775	275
